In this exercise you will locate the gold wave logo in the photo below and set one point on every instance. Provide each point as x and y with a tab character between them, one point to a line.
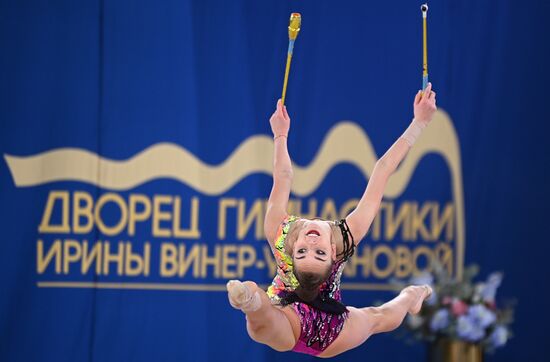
254	155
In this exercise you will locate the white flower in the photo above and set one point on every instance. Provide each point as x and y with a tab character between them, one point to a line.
414	321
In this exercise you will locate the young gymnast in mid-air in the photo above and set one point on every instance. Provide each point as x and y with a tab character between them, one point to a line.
302	309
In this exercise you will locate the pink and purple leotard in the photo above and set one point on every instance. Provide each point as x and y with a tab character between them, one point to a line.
318	328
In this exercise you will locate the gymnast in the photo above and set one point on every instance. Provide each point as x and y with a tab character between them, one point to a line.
302	309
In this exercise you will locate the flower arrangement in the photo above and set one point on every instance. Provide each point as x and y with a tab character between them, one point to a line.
462	310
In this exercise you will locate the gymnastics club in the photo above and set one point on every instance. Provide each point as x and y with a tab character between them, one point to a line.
293	30
424	9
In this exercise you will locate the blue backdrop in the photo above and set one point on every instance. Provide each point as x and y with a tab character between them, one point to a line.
119	121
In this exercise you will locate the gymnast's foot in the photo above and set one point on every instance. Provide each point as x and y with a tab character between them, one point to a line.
240	297
420	293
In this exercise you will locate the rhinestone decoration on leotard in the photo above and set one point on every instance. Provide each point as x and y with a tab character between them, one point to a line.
318	329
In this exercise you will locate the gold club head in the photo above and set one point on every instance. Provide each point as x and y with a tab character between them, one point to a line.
294	25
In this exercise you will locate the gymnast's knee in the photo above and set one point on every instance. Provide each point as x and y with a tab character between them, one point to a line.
259	332
378	320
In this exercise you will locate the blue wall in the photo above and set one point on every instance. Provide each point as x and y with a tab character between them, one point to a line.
114	78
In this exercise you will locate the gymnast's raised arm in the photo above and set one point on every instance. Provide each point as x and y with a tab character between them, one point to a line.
282	173
360	219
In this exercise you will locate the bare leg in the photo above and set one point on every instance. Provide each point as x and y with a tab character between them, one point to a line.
364	322
389	316
265	323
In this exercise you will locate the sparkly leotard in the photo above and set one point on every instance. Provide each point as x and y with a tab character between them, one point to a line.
318	328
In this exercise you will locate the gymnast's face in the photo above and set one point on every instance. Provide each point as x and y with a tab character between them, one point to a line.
313	250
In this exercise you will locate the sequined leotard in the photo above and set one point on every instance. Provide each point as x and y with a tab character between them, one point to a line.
318	328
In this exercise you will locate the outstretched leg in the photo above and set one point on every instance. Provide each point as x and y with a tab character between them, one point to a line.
265	323
389	316
364	322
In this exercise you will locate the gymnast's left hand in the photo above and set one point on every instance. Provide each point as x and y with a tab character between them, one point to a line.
424	105
280	121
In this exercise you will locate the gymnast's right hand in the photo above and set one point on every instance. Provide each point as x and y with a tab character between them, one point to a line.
280	121
424	105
